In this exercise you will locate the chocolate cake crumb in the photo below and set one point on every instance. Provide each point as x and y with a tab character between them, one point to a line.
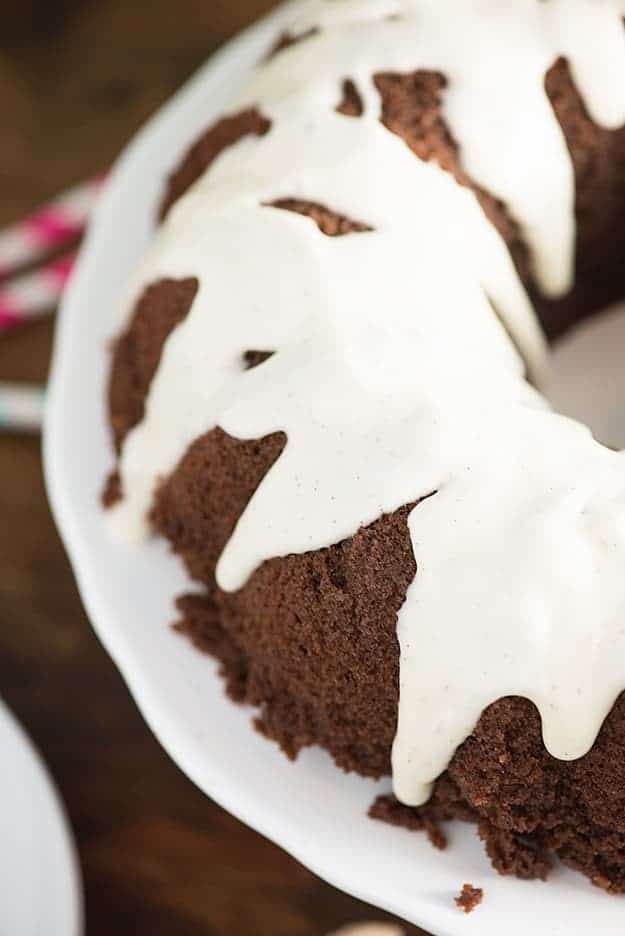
137	352
350	104
390	810
286	40
469	898
200	620
226	132
512	853
412	108
198	506
598	157
112	492
329	222
254	358
344	597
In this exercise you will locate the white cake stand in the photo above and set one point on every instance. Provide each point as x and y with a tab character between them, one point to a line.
310	808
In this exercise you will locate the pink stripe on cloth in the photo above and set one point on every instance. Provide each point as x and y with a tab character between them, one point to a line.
61	269
8	319
51	227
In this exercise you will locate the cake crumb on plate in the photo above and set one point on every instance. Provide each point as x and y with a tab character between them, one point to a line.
469	898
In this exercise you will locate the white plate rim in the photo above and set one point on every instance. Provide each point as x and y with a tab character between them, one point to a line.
53	856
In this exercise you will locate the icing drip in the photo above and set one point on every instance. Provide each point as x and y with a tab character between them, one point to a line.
392	377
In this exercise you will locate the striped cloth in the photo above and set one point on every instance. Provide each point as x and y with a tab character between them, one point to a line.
31	284
21	407
33	294
54	224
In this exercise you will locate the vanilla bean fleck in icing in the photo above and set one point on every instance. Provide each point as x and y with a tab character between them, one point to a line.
393	378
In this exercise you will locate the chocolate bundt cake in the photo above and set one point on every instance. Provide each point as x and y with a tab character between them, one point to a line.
325	398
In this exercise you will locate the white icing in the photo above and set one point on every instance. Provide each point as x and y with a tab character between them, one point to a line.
392	377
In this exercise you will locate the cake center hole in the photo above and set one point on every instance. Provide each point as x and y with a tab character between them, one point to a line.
588	375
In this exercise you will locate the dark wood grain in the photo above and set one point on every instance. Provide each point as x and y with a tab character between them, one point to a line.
77	77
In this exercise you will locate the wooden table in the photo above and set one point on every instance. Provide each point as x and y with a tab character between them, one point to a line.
77	77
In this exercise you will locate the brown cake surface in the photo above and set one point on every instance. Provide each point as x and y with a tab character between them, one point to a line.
311	639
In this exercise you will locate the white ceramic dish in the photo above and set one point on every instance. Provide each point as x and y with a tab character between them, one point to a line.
310	808
40	892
